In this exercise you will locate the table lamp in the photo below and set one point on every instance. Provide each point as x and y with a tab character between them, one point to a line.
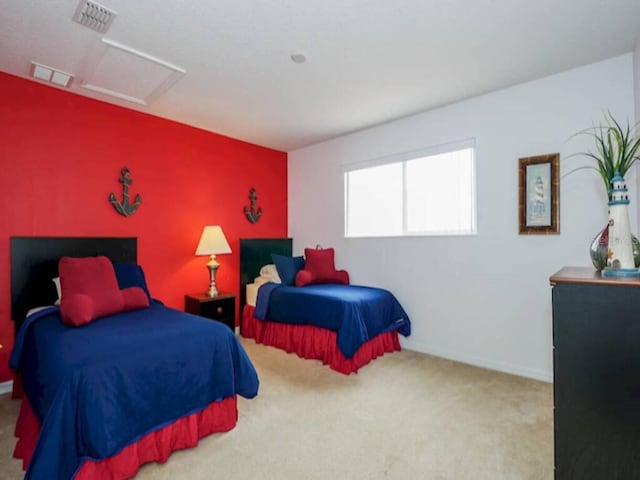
212	242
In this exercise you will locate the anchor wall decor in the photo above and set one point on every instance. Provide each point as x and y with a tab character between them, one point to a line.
125	208
252	214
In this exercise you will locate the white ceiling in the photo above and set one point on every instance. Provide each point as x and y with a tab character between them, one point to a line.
369	61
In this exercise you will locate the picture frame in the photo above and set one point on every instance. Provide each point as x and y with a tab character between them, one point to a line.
539	194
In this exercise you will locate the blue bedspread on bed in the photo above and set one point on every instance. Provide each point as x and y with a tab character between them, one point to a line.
355	313
100	387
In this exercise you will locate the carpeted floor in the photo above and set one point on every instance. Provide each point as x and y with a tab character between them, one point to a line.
405	416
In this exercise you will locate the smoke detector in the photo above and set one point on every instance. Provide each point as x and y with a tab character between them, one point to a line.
298	57
94	16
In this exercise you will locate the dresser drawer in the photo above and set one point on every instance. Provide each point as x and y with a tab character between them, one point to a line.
218	309
221	308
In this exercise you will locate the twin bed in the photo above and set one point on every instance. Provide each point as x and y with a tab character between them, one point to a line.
344	326
103	399
123	390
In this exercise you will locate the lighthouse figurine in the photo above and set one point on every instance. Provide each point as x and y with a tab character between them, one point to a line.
620	261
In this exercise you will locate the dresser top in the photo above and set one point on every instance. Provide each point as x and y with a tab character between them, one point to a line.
589	275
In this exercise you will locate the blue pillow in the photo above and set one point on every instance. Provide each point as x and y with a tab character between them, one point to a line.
288	267
131	275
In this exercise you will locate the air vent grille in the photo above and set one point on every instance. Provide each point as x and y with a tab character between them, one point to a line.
94	16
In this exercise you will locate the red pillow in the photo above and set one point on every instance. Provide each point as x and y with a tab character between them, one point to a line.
76	309
92	277
134	298
320	262
304	277
341	276
319	267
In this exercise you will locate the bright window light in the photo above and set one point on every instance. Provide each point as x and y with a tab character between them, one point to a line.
375	193
431	192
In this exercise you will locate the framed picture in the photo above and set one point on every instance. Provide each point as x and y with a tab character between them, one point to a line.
539	193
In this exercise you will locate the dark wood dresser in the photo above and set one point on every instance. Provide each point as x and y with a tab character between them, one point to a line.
596	369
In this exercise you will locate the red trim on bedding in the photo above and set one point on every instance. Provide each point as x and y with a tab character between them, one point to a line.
154	447
27	430
311	342
17	386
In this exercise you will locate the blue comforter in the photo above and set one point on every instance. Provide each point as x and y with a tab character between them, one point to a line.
99	387
355	313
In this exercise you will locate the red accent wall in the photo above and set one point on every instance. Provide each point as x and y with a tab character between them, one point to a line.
61	156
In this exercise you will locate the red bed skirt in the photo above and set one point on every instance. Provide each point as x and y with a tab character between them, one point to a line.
310	342
155	446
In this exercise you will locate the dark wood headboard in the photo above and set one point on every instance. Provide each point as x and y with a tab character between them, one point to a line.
34	262
255	253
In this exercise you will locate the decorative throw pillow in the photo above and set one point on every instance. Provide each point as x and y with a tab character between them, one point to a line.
341	277
131	275
305	277
77	309
134	298
94	277
288	267
90	289
320	262
320	268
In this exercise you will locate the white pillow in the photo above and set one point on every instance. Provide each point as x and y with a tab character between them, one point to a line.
35	310
261	280
56	281
269	271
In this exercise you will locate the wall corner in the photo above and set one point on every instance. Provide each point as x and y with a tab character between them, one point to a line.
636	97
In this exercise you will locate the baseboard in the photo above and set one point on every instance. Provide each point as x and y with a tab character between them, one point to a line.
6	387
478	362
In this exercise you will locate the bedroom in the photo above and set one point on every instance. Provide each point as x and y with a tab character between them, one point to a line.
62	155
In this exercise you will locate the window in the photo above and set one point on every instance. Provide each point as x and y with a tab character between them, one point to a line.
430	192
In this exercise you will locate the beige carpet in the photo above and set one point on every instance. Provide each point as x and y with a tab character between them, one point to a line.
405	416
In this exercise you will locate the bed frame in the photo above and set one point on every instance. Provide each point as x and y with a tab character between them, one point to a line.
34	262
255	253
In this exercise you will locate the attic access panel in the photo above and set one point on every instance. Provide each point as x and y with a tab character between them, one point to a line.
129	74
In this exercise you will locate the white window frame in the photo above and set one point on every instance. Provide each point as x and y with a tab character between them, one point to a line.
403	158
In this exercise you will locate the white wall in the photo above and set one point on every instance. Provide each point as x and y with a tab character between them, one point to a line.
636	89
636	63
483	299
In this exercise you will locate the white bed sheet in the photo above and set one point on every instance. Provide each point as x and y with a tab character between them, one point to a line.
252	293
252	288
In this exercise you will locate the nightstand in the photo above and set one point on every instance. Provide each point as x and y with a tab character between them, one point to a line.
221	308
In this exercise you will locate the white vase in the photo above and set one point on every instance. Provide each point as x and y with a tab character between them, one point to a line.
620	261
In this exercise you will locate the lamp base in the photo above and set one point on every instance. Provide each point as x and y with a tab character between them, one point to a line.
213	268
212	292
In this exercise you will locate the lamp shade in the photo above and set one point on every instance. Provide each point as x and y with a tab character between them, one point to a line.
212	241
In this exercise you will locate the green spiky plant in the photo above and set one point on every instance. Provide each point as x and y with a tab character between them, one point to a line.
617	149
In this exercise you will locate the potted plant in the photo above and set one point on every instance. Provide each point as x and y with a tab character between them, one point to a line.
617	150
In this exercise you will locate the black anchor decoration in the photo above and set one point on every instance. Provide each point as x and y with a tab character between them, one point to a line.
252	214
125	208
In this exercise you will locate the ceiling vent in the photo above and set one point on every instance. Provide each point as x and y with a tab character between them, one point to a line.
50	74
94	16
